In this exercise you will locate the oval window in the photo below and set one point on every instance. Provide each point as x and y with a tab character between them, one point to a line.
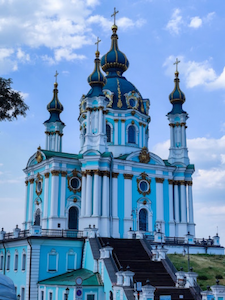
144	186
75	183
132	102
39	186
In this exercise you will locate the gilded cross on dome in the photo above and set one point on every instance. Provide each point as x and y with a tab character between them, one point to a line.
114	15
176	63
98	41
56	74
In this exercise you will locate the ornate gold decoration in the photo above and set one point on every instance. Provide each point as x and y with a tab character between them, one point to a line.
128	176
116	120
140	124
46	175
144	125
97	172
144	202
175	182
133	112
189	183
123	121
83	173
26	182
76	174
144	156
105	173
39	178
182	182
144	177
63	173
119	103
75	200
170	181
89	172
159	180
109	95
55	172
39	156
132	95
132	122
115	175
31	180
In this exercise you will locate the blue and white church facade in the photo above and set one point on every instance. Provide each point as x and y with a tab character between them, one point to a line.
113	188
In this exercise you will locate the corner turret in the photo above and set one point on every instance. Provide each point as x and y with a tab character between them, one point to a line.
54	125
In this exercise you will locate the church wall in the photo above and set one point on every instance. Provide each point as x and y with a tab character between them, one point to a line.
88	260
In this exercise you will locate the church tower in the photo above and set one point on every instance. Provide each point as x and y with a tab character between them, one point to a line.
54	125
178	152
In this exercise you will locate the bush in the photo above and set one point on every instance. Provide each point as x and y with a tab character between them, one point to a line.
219	277
202	277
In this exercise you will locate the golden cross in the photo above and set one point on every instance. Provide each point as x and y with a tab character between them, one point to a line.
56	74
176	63
114	15
98	41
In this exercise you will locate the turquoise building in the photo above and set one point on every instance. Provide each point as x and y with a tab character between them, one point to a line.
113	191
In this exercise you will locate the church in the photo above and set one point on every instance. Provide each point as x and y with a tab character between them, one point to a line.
87	215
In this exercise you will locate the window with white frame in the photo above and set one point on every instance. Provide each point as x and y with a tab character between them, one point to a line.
8	262
50	296
24	258
71	260
131	134
22	296
1	261
52	261
90	296
16	258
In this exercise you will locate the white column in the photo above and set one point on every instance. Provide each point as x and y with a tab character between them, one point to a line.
96	121
176	196
96	202
31	181
115	195
88	121
88	208
171	218
54	193
105	194
46	142
144	137
123	132
116	132
100	119
127	195
63	194
190	203
140	135
183	134
171	135
159	199
185	137
83	195
45	213
183	202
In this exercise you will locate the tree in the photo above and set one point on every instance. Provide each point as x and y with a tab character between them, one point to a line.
11	102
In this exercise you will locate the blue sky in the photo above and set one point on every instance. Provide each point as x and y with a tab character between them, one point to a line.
39	37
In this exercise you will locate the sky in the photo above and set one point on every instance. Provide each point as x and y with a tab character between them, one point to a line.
39	37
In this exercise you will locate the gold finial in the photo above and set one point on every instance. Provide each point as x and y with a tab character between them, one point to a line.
56	84
176	63
114	15
97	52
39	148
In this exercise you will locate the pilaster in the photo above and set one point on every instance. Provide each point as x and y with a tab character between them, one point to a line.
88	207
127	203
31	181
159	204
45	212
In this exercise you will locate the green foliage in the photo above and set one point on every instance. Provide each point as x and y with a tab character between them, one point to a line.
11	102
202	277
219	276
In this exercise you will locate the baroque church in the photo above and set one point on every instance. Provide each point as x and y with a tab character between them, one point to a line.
87	215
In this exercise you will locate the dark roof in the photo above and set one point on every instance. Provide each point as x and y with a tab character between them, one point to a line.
50	154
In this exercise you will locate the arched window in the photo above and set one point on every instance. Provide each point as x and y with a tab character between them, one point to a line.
24	257
37	217
16	261
73	218
8	261
108	133
143	220
131	134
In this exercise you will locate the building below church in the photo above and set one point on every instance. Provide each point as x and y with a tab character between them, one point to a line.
93	219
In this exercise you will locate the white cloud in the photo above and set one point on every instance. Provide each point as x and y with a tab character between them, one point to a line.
21	55
209	17
67	54
174	24
196	22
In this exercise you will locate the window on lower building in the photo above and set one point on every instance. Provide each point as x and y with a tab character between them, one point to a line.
131	134
16	262
1	261
71	261
8	262
108	133
143	220
22	294
91	297
42	295
52	260
50	296
24	261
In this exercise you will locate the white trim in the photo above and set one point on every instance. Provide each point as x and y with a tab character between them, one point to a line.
42	290
53	252
71	252
136	134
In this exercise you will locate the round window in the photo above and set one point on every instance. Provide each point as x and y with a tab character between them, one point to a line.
144	186
39	186
132	102
75	183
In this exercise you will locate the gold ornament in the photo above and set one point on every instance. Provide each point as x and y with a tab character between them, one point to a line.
39	156
144	156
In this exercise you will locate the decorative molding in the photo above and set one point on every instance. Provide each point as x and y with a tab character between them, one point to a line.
115	175
144	177
63	173
31	180
89	172
55	172
140	123
39	156
26	182
46	175
159	180
132	122
182	182
97	172
144	125
123	121
105	173
133	112
176	182
144	156
128	176
189	183
76	174
39	178
83	173
171	181
116	120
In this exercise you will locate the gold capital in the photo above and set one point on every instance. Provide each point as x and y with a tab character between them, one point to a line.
115	175
128	176
170	181
26	182
46	175
31	180
63	173
159	180
55	172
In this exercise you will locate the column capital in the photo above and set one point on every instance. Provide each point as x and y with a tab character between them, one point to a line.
116	120
97	172
83	173
159	180
189	183
88	109
101	108
182	182
176	182
123	120
105	173
26	182
63	173
183	124
89	172
171	181
171	125
46	174
31	180
55	172
128	176
115	175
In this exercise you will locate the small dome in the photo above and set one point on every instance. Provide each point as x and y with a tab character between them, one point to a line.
177	94
54	107
96	76
114	60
